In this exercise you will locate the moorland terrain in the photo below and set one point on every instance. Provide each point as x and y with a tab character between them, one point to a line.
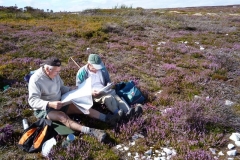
186	61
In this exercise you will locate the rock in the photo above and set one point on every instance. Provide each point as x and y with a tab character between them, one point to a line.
232	152
197	97
118	146
158	92
163	153
201	48
220	153
157	151
174	152
136	136
212	150
159	43
207	98
229	103
126	148
235	137
168	151
237	143
132	143
230	146
149	152
166	110
136	156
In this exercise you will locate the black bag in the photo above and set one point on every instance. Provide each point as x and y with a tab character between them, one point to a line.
35	135
129	92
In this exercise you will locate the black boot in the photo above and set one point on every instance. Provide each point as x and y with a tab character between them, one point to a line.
97	133
113	119
134	112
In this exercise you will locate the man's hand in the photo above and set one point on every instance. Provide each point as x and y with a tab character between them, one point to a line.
73	87
55	104
95	93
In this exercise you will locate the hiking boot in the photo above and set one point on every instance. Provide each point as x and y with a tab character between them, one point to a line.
130	113
97	133
113	119
134	112
138	110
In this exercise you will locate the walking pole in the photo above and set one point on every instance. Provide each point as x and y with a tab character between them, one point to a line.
75	62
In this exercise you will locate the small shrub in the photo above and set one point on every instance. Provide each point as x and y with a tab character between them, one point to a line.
220	74
197	55
27	112
236	108
112	28
219	77
5	133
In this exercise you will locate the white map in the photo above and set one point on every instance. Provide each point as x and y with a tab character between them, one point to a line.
81	97
106	89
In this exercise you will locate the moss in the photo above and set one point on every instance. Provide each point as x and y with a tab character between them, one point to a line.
8	117
3	99
162	101
143	48
105	154
218	128
236	109
221	71
197	55
187	65
27	113
219	77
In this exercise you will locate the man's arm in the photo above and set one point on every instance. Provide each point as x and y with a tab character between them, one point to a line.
34	98
106	76
81	75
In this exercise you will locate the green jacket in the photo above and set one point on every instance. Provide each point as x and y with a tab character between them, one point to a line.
82	75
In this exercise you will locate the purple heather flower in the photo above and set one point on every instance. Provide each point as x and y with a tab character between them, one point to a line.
5	133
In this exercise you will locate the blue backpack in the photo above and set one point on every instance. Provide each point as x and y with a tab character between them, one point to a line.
28	76
131	94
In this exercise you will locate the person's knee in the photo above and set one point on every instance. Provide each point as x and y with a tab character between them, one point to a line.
111	103
58	116
108	100
62	116
122	105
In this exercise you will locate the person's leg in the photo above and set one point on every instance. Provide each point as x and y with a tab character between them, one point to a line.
64	119
72	109
134	112
109	101
121	104
111	119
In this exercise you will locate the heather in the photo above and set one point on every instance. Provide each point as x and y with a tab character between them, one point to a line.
185	61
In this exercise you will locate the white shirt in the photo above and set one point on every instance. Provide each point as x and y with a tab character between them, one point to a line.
96	80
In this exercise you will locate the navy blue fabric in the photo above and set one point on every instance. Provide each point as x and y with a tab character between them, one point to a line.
28	76
129	92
